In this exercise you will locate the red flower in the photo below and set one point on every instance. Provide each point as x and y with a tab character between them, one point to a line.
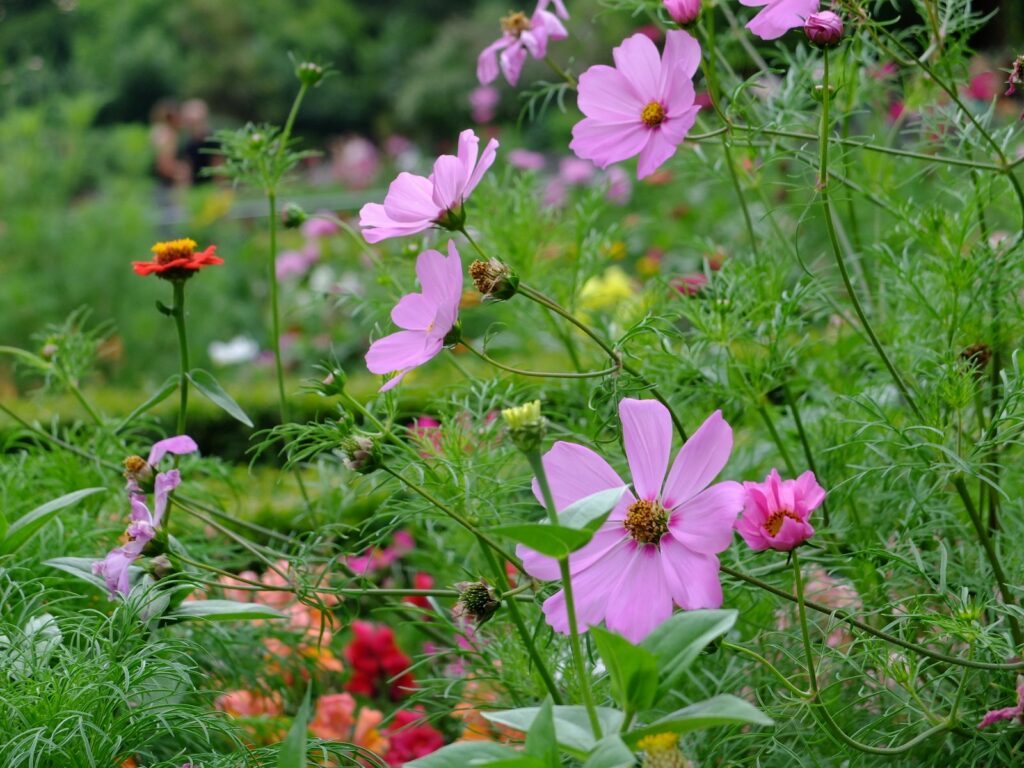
411	737
177	260
420	581
375	660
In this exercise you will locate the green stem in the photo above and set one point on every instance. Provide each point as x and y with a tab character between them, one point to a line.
540	374
766	417
804	442
843	616
275	315
178	312
561	72
823	186
533	456
772	668
805	634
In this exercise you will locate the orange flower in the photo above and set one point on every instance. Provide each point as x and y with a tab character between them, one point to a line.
249	704
336	720
177	260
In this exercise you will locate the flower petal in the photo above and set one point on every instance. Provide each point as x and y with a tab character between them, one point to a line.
409	201
485	162
659	148
606	95
692	577
607	143
647	434
546	568
591	587
413	312
631	615
705	522
575	472
487	61
163	485
405	349
780	16
512	60
449	180
680	60
637	58
440	276
178	445
699	461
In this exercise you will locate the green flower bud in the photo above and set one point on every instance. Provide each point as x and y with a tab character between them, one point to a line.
292	216
477	601
526	425
309	73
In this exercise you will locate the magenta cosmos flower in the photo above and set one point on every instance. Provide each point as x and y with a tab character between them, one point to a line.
426	318
779	16
644	105
416	203
659	544
776	512
520	35
142	528
1007	713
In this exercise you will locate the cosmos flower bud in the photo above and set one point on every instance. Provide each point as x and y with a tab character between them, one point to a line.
494	279
362	454
292	216
309	73
477	601
683	12
526	425
824	29
453	219
661	750
160	566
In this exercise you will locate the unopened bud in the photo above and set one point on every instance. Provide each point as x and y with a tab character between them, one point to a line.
494	279
824	29
333	384
292	216
309	73
49	350
362	454
477	601
683	12
526	425
160	566
453	219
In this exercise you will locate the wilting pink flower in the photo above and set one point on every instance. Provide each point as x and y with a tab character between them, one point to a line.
683	11
114	568
644	105
1009	713
824	29
426	317
779	16
416	203
776	512
526	160
520	35
659	545
483	101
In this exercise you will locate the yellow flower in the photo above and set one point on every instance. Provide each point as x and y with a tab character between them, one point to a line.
608	290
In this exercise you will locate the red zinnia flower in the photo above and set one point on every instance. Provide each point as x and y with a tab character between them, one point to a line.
375	659
411	737
177	260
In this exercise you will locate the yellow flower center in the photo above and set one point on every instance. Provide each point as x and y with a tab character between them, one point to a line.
174	249
774	523
135	464
646	521
659	742
515	23
653	114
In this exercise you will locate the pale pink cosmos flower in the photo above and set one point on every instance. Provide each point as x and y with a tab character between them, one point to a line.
114	568
483	102
659	544
426	318
776	513
644	105
526	160
779	16
521	35
1007	713
416	203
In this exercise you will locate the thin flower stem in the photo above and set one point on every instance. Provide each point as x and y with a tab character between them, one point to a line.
766	417
739	194
823	187
805	634
275	314
843	616
808	453
458	518
540	374
774	670
382	428
562	72
178	311
533	456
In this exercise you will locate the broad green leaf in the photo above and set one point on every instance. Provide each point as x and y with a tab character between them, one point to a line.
208	386
633	671
720	710
540	739
590	513
158	397
81	567
572	725
611	752
222	610
22	529
470	753
551	540
293	749
679	641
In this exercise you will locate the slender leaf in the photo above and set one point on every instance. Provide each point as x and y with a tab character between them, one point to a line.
678	641
22	529
165	391
293	749
208	386
222	610
572	725
81	567
720	710
551	540
471	753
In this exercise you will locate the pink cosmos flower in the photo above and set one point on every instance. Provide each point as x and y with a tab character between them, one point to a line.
776	512
426	317
114	568
779	16
1008	713
416	203
521	35
683	11
644	105
483	102
659	544
526	160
